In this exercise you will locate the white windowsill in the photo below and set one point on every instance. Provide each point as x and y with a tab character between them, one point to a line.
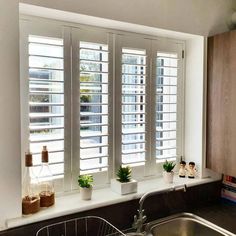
72	203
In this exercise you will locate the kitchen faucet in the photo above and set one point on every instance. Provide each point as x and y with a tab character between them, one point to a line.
140	219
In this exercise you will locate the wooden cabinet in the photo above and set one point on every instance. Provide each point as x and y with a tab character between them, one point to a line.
221	103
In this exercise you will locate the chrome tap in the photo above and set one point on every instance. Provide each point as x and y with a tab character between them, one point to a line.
140	219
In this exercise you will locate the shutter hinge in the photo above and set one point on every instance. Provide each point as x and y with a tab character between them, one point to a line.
182	54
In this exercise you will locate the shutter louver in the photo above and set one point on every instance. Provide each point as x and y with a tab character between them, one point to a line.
93	107
46	101
133	106
166	105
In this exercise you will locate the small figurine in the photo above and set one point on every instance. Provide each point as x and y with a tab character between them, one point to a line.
182	169
191	170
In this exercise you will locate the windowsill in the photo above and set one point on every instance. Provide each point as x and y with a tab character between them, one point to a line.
72	203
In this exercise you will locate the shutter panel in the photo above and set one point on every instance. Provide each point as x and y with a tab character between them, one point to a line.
46	100
166	105
133	102
93	107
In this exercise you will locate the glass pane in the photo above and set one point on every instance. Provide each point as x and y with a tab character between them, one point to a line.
45	40
133	69
51	146
161	80
45	50
133	79
130	89
46	86
93	77
93	152
43	74
133	108
133	158
93	66
133	59
86	54
93	88
44	62
53	158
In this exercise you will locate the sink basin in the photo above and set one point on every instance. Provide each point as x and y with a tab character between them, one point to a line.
184	224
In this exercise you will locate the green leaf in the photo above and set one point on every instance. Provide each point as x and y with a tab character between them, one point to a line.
168	166
85	181
124	174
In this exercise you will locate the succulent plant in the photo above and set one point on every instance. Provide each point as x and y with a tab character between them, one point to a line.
85	181
168	166
124	174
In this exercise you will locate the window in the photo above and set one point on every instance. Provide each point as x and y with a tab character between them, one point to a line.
166	105
46	100
93	107
99	100
133	106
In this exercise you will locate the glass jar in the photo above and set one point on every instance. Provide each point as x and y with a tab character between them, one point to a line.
30	191
47	194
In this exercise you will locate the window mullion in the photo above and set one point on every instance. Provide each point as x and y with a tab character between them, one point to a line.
75	89
117	103
151	108
111	107
68	109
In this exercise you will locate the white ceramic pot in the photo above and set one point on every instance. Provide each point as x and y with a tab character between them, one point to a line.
168	177
124	188
86	193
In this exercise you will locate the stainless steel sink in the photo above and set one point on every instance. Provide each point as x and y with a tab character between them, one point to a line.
184	224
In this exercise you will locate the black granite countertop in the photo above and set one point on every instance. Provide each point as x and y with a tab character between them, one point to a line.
222	214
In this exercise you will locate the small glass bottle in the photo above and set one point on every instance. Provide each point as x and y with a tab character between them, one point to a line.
47	194
30	191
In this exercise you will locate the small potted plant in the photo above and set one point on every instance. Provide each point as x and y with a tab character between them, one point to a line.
168	173
124	184
86	186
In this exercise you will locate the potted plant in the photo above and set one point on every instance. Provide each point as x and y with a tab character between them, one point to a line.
86	186
168	173
124	184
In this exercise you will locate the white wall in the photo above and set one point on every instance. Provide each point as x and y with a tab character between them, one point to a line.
10	176
192	16
194	101
202	17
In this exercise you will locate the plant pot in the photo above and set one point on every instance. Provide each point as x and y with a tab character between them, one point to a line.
86	193
124	188
168	177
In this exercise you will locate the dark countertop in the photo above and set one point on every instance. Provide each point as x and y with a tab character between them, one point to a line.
222	214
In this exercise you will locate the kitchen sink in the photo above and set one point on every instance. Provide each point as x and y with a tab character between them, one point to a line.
184	224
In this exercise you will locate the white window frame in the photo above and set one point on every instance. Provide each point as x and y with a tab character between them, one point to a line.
72	34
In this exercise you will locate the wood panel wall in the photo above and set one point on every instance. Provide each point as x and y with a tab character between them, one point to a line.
221	103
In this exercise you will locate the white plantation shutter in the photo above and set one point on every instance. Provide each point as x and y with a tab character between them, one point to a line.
133	97
46	100
132	113
168	100
99	100
93	107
